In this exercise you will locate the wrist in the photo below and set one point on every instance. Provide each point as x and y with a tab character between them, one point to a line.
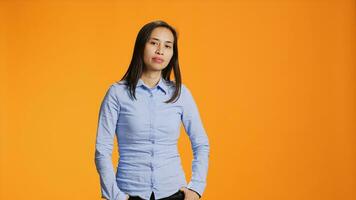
195	192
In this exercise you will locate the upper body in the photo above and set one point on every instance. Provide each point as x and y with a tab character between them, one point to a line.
147	131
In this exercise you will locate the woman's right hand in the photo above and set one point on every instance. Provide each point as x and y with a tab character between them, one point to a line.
127	196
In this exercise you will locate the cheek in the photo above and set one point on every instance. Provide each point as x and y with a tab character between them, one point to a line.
145	58
148	52
169	56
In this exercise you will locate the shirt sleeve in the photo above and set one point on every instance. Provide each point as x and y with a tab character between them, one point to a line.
199	141
108	116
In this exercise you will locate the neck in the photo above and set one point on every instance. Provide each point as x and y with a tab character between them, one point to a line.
151	78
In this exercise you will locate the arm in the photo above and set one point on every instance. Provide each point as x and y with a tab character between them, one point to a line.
108	116
199	140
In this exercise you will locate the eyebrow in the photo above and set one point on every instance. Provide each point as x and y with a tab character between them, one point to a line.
153	38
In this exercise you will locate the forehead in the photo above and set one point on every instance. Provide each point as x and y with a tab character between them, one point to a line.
162	34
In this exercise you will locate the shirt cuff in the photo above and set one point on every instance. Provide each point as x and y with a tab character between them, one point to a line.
197	187
195	192
121	195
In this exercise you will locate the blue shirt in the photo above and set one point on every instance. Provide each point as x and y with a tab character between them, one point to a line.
147	131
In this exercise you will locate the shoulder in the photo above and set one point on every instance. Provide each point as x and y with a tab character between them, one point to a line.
119	83
185	90
114	89
186	94
118	86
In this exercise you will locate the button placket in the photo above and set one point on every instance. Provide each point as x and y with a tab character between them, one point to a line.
152	136
152	116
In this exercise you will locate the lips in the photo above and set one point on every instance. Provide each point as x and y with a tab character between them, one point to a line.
157	60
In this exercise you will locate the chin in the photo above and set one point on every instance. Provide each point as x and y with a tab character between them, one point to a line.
158	67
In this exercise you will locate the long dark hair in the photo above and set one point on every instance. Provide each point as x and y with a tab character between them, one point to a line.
135	69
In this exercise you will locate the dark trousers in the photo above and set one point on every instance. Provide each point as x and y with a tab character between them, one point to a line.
179	195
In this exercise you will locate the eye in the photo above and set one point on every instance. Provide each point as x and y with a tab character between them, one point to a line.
153	43
168	46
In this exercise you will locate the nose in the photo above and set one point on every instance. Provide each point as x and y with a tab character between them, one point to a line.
158	50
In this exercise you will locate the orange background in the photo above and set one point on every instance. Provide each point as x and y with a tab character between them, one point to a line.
274	82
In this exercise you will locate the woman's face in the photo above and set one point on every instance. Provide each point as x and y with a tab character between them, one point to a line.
158	49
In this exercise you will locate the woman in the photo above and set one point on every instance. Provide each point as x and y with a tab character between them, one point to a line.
145	110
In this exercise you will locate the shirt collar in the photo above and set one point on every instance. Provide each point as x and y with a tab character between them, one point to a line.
161	84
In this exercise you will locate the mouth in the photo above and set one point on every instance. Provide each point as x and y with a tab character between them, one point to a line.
157	60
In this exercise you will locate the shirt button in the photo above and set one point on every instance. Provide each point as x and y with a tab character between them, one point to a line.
152	141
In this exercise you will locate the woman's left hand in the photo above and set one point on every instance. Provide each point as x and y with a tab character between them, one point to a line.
189	194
